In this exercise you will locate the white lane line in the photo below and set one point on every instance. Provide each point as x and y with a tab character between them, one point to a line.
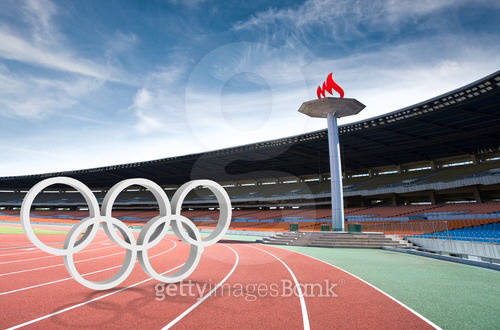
187	311
303	307
22	247
50	256
371	285
32	249
58	265
98	298
69	278
86	302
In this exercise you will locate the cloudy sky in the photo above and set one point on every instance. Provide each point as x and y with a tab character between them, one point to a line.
93	83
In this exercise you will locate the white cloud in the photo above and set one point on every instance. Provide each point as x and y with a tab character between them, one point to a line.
399	76
41	45
45	46
168	122
385	80
146	122
38	14
142	98
342	18
32	97
15	48
187	3
65	150
159	104
118	45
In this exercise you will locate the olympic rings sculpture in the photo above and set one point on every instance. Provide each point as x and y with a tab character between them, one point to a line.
150	235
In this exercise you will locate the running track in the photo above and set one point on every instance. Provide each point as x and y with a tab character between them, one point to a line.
37	292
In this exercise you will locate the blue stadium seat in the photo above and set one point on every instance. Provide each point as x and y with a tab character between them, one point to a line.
484	233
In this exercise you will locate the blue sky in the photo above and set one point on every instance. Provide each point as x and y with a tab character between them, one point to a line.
94	83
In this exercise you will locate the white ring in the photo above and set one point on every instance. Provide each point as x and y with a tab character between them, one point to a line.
189	266
107	206
224	216
30	197
118	277
150	235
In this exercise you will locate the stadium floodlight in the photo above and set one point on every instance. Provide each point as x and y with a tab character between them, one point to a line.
333	108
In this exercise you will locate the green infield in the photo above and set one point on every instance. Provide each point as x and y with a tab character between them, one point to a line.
452	295
19	230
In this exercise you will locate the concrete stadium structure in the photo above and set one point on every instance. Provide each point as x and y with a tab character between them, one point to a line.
445	149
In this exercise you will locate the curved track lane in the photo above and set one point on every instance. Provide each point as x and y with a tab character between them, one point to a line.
227	281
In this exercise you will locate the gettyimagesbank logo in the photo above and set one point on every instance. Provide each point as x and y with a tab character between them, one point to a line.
248	291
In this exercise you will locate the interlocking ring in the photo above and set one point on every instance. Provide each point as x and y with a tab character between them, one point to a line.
150	235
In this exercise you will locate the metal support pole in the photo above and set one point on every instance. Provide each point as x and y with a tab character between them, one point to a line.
335	174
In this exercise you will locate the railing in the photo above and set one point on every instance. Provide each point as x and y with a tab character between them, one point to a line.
406	228
487	250
435	236
455	237
486	179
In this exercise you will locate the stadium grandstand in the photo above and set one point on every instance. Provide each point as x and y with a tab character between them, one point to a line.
435	162
299	165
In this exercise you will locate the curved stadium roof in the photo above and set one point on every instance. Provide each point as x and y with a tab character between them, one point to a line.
463	121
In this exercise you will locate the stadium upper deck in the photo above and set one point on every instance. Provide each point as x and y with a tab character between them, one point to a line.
465	121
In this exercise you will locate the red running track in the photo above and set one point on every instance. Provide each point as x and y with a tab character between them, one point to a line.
44	296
